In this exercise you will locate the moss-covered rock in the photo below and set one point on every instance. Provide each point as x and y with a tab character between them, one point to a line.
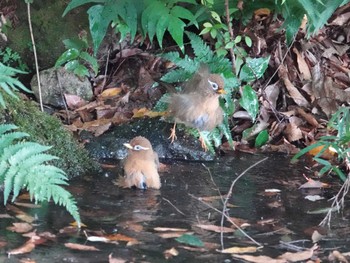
48	130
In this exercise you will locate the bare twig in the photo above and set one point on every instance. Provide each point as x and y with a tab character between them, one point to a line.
228	22
228	218
212	179
35	56
338	201
178	210
224	214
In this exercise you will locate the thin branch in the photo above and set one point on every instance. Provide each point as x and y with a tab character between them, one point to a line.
223	215
228	22
178	210
35	56
228	219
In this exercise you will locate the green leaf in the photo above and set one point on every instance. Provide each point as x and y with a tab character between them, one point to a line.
72	65
77	44
91	60
190	240
262	138
176	30
248	41
100	16
254	68
249	101
179	11
68	55
75	3
81	71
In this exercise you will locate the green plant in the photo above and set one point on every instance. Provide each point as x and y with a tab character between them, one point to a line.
151	17
339	123
10	84
13	59
76	56
23	165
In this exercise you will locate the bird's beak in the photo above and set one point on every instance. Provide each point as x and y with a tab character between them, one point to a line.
128	145
221	91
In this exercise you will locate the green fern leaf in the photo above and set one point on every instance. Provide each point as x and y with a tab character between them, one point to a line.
6	128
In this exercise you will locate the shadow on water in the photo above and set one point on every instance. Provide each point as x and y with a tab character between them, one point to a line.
134	213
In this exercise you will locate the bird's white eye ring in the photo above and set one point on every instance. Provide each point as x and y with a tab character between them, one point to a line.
214	85
139	148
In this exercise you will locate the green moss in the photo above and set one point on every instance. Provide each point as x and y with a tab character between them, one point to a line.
48	130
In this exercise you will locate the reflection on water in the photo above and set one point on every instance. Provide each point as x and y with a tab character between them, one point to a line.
135	213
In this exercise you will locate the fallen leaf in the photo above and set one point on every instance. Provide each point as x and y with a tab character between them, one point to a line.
239	250
25	248
80	247
335	255
115	260
170	253
299	256
74	101
302	65
218	229
165	229
313	198
292	90
259	259
312	184
191	240
120	237
20	227
28	205
166	235
110	93
25	217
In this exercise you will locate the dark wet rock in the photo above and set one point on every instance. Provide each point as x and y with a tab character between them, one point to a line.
110	144
53	90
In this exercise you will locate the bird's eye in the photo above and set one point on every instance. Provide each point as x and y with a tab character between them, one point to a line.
214	85
137	147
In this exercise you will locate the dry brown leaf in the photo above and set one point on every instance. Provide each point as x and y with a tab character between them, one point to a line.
293	132
292	90
335	255
140	113
5	216
170	253
312	184
307	116
74	101
218	229
299	256
115	260
26	218
20	227
260	259
25	248
166	235
80	247
272	92
166	229
28	205
302	65
239	250
120	237
110	93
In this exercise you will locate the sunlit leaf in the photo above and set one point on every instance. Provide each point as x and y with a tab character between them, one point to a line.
254	68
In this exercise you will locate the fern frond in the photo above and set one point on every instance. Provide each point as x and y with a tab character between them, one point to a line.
24	165
8	138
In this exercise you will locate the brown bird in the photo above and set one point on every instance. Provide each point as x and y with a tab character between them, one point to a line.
140	166
197	106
